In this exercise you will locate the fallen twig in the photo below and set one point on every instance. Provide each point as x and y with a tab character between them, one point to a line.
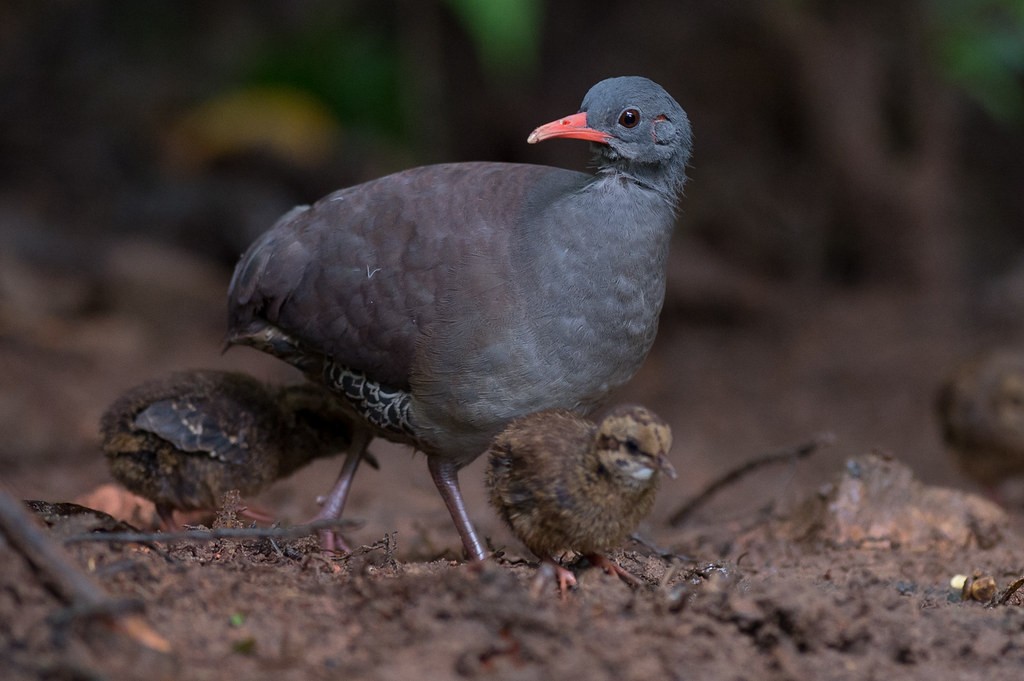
1010	590
659	551
84	596
793	453
215	534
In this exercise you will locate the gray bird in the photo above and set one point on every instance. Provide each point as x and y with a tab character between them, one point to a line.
444	301
563	483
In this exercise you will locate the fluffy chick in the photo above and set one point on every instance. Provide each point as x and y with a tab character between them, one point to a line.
563	483
184	440
981	408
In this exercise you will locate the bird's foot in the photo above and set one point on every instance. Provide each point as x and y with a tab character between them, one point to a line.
612	568
331	542
549	568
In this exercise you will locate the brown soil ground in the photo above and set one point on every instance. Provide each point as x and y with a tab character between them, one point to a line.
837	566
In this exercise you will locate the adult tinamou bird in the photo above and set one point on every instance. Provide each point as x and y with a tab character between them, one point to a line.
981	408
444	301
184	440
563	483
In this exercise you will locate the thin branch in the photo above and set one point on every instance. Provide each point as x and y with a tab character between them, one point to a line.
1010	590
84	596
659	551
215	534
793	453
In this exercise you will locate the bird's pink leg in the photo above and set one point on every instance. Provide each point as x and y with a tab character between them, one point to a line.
565	579
334	504
548	568
446	478
612	568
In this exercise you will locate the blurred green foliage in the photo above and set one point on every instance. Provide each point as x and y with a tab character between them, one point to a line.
352	68
505	33
980	48
352	61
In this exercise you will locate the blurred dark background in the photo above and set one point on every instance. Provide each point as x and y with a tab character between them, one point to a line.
853	226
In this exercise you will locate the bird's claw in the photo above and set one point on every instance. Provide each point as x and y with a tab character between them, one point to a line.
612	568
549	569
333	543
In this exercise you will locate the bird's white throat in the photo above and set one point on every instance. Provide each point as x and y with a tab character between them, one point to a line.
642	473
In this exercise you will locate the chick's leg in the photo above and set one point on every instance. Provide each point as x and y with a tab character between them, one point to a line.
612	568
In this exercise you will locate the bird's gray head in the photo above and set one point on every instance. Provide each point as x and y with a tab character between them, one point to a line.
638	129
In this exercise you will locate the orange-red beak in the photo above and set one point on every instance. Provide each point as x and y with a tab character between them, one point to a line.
574	127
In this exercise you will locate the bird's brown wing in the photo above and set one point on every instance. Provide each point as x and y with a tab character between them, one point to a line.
192	425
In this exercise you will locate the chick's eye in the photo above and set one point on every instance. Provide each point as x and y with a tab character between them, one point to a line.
629	118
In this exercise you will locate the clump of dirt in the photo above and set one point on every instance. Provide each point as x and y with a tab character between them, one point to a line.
876	502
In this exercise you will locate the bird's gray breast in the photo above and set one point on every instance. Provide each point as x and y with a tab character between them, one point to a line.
567	313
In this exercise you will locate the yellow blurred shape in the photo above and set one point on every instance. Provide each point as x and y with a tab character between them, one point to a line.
283	121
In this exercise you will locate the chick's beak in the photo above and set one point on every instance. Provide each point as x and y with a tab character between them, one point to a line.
666	467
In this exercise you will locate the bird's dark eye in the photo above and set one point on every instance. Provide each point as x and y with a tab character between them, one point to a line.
629	118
